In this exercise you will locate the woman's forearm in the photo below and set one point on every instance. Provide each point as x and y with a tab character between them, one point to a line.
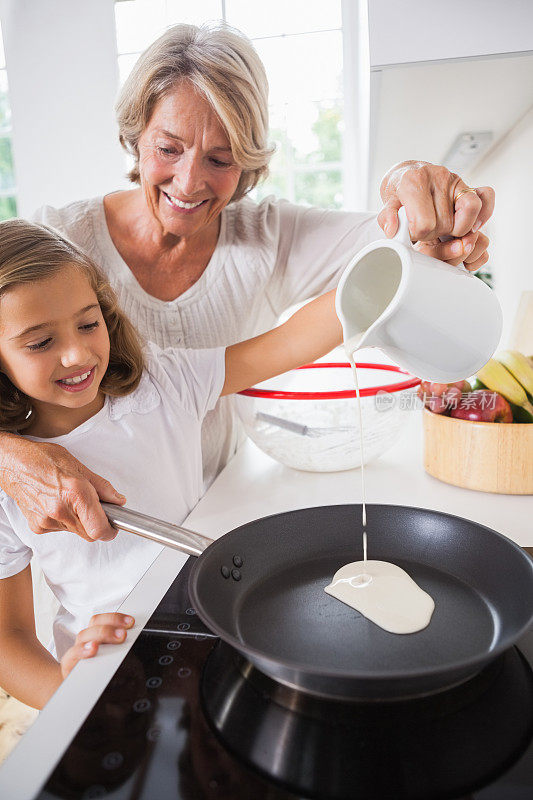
27	670
8	441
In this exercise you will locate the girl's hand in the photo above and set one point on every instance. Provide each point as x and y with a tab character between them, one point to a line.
54	490
103	629
430	194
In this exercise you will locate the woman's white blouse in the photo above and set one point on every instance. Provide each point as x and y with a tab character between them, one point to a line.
269	256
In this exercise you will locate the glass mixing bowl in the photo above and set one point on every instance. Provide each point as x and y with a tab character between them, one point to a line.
308	419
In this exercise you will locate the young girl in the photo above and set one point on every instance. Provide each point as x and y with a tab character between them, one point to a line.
73	372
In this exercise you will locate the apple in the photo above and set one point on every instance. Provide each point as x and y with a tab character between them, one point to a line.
441	398
483	406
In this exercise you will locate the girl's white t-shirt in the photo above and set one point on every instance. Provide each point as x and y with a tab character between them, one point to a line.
149	445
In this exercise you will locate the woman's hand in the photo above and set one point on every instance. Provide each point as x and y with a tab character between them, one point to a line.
54	490
103	629
429	194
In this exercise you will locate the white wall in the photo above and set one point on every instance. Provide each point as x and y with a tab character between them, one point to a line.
63	78
509	169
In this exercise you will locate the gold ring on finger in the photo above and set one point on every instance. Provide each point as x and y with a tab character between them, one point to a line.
463	191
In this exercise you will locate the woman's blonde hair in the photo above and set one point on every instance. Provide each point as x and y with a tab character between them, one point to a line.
224	66
30	253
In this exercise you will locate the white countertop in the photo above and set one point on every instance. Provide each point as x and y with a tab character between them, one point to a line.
252	486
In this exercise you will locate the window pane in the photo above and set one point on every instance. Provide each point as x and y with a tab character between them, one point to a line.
8	204
7	178
280	178
5	109
139	22
194	13
125	66
306	136
8	207
277	135
319	188
275	184
2	54
303	67
281	17
315	131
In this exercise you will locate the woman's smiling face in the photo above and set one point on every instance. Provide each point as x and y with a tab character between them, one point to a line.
187	169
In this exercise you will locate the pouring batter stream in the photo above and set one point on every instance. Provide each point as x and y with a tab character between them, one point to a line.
384	593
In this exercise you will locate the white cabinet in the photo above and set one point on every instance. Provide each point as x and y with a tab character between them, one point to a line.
412	31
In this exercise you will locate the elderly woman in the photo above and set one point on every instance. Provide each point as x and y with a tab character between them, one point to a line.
194	261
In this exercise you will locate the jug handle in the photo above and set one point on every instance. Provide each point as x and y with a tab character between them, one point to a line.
402	234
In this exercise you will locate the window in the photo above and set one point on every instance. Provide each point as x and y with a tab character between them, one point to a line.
8	203
300	44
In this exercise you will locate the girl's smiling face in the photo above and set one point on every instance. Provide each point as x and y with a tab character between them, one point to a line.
52	333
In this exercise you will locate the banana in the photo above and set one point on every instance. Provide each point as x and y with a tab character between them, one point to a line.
519	414
499	379
519	366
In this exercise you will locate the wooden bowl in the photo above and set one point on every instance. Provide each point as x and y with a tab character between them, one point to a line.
487	456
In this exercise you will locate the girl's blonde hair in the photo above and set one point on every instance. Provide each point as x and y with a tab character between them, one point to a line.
30	253
224	66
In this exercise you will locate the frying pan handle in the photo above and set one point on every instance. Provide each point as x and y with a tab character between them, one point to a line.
189	542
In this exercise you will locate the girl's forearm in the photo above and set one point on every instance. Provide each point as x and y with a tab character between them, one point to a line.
27	670
312	331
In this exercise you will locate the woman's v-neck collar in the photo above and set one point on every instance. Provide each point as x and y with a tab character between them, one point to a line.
124	273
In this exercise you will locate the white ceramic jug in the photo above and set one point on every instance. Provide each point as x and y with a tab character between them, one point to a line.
437	321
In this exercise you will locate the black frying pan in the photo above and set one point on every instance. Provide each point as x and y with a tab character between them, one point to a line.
261	589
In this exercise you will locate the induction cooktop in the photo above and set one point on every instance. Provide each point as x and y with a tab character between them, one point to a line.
186	718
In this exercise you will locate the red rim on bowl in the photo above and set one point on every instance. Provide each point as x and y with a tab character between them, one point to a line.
274	394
